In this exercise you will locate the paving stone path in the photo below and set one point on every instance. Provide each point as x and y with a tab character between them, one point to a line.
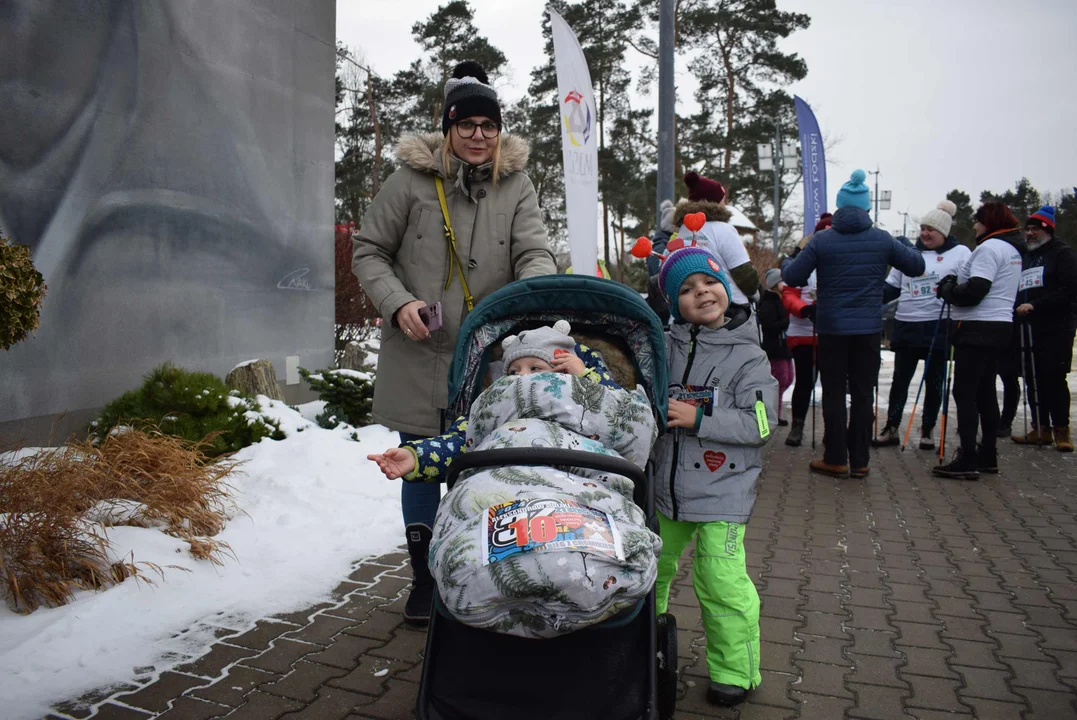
900	596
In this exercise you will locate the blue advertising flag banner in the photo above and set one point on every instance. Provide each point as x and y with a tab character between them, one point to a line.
813	161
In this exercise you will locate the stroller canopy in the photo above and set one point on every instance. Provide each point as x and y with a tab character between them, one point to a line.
616	309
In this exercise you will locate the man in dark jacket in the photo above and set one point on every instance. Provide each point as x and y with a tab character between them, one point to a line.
1045	310
851	261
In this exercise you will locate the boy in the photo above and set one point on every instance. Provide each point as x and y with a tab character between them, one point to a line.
722	405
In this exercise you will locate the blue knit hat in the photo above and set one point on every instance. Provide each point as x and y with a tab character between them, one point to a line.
1044	217
682	263
855	193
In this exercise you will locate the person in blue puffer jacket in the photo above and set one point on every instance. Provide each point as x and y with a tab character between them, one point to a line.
851	260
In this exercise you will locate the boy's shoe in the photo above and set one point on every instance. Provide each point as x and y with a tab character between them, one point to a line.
726	695
836	471
962	467
986	462
890	436
859	473
421	597
1063	442
1004	430
796	434
927	440
783	423
1037	436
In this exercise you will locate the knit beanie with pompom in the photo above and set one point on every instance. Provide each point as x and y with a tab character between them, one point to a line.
941	218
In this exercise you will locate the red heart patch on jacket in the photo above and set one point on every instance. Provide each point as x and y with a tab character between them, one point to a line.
714	460
695	221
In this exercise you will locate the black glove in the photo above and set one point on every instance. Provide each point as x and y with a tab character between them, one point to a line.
946	287
808	313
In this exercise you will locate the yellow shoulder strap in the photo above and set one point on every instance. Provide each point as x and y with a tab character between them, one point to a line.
454	254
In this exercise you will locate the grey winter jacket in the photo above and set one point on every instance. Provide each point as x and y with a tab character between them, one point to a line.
400	254
851	259
712	474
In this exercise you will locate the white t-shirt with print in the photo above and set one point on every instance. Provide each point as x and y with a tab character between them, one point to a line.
998	261
918	302
724	241
802	327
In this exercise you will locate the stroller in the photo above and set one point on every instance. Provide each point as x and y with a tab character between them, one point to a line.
625	667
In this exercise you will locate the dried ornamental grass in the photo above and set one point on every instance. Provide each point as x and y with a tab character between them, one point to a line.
55	505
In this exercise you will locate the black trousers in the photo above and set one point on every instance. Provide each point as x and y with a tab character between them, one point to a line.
803	362
974	394
1048	388
905	361
848	361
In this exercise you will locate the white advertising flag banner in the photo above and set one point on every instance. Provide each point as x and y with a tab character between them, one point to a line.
579	143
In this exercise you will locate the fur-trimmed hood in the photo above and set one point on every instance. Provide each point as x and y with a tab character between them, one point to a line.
713	211
422	152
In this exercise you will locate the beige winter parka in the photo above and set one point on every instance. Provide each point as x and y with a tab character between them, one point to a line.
400	254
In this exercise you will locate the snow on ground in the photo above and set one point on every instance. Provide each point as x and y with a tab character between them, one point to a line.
311	506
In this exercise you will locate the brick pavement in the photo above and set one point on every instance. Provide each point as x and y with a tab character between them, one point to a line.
896	597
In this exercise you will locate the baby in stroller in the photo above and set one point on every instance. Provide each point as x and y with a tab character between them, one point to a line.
540	551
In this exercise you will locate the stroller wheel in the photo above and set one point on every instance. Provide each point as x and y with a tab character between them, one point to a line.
667	665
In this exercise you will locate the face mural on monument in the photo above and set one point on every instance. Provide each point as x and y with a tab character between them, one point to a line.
161	191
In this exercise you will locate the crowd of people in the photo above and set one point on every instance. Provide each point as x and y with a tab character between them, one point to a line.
460	219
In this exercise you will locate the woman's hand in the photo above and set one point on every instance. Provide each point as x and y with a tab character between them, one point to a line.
394	462
568	362
681	415
407	317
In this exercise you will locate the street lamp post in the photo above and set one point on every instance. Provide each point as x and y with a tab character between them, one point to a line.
666	105
882	202
904	223
777	157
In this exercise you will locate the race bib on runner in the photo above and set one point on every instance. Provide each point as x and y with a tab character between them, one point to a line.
544	525
924	286
1031	278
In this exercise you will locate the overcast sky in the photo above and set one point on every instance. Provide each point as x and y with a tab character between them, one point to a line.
972	94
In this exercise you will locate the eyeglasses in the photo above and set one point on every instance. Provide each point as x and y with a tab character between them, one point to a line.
466	129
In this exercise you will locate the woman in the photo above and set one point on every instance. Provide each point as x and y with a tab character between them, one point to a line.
799	302
774	321
982	295
916	326
405	260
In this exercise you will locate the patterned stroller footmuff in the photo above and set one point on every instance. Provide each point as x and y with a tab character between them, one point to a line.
541	551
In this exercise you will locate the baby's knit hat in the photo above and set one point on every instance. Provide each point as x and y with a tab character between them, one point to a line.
538	343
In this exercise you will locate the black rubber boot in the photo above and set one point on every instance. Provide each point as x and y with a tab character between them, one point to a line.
726	695
796	434
421	598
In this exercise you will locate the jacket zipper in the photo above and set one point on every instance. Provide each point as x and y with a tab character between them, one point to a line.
677	435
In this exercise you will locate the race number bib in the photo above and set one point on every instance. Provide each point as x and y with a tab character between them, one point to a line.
924	286
546	525
1031	278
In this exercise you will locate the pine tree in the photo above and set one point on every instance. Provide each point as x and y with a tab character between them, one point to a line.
1023	200
962	227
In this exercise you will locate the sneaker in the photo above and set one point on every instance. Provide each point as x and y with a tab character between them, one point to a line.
962	467
836	471
726	695
890	436
927	441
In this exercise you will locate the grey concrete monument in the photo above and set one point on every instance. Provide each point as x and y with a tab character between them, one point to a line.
170	163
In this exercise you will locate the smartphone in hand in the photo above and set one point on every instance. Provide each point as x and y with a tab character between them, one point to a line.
431	316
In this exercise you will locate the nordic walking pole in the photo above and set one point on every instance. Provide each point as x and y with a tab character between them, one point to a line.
1035	401
946	386
814	378
927	364
1024	376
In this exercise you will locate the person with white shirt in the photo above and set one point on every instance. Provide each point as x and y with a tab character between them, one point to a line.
982	296
717	234
916	326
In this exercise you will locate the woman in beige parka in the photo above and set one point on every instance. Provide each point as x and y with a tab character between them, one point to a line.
401	255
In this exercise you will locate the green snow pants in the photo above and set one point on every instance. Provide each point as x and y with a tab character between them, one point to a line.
727	597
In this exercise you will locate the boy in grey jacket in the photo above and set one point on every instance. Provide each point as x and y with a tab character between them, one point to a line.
723	402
